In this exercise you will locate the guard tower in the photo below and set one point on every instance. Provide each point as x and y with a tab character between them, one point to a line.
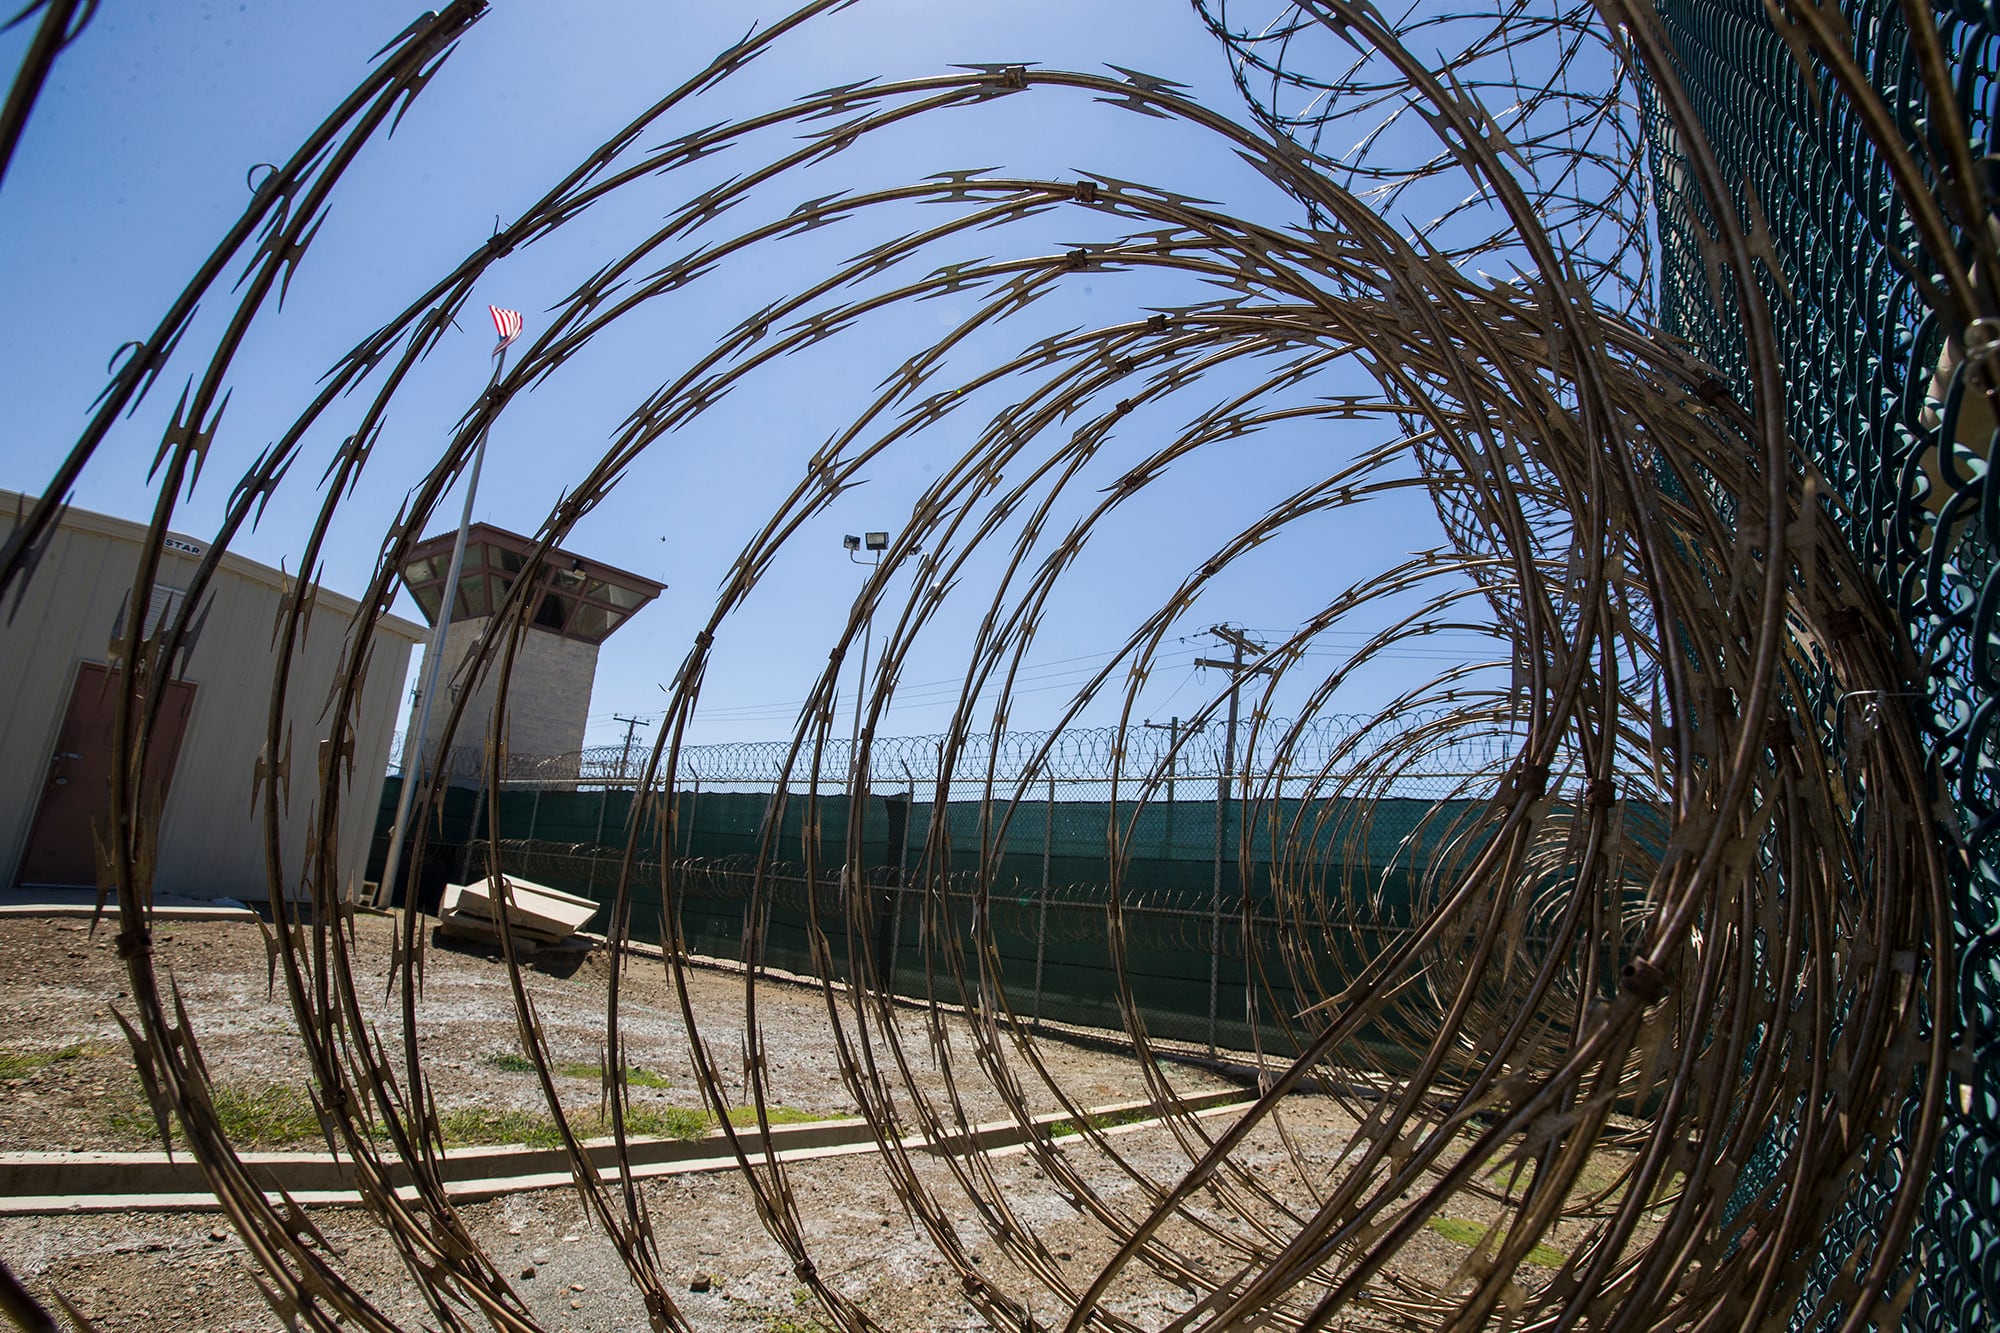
578	605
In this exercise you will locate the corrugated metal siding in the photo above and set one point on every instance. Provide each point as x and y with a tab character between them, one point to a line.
211	840
65	617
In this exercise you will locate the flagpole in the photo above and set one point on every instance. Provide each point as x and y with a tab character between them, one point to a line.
413	744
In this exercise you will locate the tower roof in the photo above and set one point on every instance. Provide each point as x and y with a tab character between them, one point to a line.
580	599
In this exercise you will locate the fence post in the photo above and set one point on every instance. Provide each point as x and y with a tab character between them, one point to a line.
694	796
1215	911
669	826
472	832
774	818
603	808
902	880
1042	916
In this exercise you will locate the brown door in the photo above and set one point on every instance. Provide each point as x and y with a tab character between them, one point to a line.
61	849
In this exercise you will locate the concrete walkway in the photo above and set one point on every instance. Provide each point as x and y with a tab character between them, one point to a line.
43	1183
40	901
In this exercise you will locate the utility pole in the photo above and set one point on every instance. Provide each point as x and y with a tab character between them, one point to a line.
1239	644
631	725
1237	667
1172	726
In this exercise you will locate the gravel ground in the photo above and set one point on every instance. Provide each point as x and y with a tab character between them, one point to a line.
187	1271
65	1084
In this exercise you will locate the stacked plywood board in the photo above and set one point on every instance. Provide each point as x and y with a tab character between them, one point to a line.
538	914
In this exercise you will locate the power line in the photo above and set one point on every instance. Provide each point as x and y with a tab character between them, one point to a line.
935	692
1237	667
1043	676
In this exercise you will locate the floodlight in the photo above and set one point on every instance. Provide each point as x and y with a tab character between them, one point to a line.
851	542
878	541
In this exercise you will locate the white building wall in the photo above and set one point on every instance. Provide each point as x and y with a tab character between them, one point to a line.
211	837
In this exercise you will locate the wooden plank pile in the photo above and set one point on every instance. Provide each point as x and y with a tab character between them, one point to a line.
539	915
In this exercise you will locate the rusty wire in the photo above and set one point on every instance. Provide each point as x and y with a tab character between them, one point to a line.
1685	901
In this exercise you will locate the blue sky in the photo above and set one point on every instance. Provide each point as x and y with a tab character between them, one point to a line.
134	163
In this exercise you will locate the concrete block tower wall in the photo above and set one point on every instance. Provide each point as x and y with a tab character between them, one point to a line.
548	694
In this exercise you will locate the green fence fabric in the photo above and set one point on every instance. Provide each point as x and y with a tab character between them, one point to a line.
1218	950
1882	411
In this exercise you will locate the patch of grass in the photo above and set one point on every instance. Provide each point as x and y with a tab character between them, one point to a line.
679	1122
1461	1232
793	1323
1457	1230
470	1125
273	1115
664	1122
259	1117
1606	1174
20	1064
1056	1129
745	1117
799	1319
135	1121
635	1076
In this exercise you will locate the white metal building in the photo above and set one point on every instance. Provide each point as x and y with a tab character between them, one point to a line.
55	714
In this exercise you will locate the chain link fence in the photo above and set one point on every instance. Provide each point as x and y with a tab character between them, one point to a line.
1220	908
1877	395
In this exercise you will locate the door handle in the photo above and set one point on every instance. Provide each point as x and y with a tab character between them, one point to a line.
65	754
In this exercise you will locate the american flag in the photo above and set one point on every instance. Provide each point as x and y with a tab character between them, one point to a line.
506	323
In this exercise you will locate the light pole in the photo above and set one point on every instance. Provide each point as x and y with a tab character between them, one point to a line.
507	324
876	543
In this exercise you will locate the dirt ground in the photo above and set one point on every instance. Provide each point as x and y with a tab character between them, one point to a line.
66	1084
66	1081
134	1271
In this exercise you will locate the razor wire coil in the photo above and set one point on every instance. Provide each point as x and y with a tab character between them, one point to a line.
1693	866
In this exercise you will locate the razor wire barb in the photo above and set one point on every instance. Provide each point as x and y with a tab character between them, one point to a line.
1682	887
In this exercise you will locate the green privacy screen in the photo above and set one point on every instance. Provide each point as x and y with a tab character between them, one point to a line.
1211	947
